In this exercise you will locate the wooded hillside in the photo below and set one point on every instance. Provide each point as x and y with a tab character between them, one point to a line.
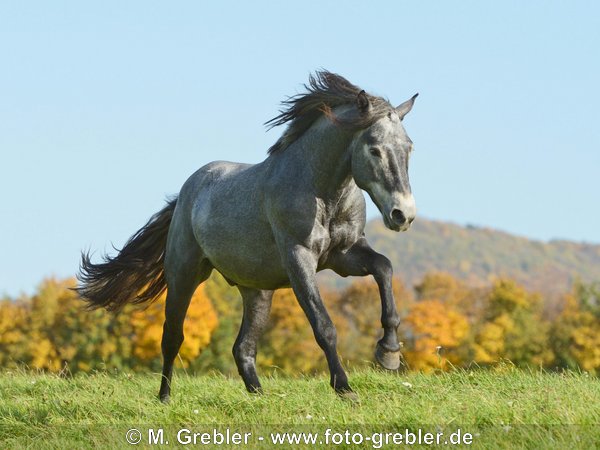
476	255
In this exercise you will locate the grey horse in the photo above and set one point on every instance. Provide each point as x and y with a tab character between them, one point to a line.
276	224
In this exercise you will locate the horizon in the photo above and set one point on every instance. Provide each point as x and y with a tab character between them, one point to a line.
468	226
107	109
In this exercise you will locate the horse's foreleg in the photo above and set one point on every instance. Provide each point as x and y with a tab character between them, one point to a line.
257	305
361	260
301	266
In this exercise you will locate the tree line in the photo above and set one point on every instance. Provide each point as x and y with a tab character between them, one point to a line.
445	324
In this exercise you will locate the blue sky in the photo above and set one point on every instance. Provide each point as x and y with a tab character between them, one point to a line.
107	107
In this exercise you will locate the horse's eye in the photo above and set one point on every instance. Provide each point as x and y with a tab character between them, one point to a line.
375	152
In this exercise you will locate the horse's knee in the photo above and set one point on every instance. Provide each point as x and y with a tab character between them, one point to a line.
382	268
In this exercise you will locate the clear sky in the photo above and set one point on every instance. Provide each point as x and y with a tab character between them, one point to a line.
107	107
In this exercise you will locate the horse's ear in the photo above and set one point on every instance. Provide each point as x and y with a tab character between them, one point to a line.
405	107
363	103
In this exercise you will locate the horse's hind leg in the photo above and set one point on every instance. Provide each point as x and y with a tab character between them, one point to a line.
184	272
257	305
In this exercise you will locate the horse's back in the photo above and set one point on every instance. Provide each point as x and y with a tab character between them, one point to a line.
221	191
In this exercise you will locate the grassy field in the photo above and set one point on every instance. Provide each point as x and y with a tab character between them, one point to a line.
500	409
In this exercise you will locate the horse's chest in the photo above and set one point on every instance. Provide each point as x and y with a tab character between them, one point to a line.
332	236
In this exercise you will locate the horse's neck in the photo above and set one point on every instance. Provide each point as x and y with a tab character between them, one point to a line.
325	148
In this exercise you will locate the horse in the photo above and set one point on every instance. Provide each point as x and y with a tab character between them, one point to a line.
276	224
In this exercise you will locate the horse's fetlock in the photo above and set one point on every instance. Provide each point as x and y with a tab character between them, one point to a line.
391	323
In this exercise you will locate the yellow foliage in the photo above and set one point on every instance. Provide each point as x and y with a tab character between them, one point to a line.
511	327
442	287
200	321
577	337
12	332
490	345
437	330
507	295
356	312
43	354
288	341
447	325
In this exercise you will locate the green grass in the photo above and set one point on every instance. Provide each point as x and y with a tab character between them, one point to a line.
502	409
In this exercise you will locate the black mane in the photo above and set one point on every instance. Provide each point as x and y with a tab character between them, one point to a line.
325	91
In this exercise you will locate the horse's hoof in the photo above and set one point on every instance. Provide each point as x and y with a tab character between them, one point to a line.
349	396
165	399
255	390
389	360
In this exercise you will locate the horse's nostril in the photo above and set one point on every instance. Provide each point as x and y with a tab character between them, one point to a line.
398	217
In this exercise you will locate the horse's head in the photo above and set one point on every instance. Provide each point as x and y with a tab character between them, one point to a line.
380	156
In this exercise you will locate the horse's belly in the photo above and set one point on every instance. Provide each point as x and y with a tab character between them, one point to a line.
256	270
246	255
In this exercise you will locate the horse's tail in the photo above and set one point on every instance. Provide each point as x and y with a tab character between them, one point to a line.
135	274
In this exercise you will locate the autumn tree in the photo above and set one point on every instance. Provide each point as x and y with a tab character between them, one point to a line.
446	324
88	340
453	293
512	328
53	331
288	343
357	313
575	334
13	332
147	324
227	303
436	331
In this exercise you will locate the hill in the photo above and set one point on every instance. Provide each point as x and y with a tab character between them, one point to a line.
477	255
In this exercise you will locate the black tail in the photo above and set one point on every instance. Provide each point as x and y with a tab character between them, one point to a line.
136	274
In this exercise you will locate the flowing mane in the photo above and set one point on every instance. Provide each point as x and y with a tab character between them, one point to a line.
325	91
